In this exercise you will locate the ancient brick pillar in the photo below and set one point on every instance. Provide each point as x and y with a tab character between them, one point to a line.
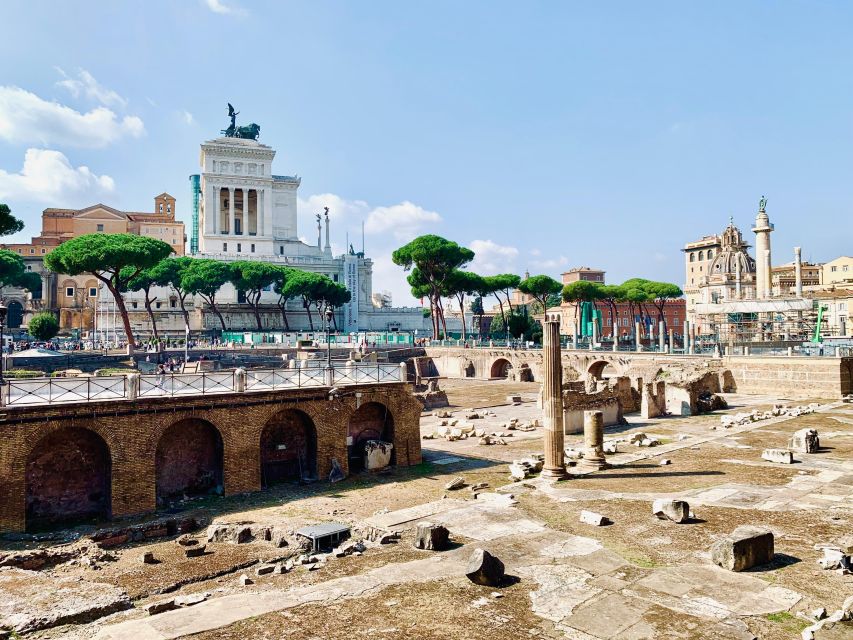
593	438
552	402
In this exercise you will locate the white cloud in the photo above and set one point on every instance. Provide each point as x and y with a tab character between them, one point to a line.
491	258
218	6
551	263
339	208
404	220
47	176
26	118
187	117
85	84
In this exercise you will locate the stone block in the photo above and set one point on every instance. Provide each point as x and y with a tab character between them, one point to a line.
596	519
245	580
432	537
194	551
805	441
675	510
161	607
456	483
265	569
484	569
147	557
377	454
744	548
782	456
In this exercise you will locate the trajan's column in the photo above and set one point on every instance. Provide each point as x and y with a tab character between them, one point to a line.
763	272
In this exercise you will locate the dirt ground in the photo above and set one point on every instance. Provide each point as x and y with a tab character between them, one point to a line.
760	493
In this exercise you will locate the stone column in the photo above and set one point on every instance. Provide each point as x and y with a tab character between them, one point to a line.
685	341
671	341
593	440
737	280
798	272
638	345
259	210
615	337
245	227
552	400
661	336
768	293
231	211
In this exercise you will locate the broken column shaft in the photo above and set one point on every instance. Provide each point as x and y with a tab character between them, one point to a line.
552	402
593	438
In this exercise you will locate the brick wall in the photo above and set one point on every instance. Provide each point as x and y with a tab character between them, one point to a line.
132	432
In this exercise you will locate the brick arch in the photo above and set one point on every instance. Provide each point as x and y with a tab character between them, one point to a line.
188	460
373	420
500	368
68	477
288	447
596	368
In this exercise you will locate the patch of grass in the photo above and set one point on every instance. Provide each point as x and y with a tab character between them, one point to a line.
788	621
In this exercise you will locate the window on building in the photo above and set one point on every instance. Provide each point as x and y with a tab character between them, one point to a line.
168	208
833	268
93	292
253	248
842	306
844	267
134	305
20	251
239	247
32	251
161	207
225	246
335	277
174	241
43	251
159	304
701	255
281	251
29	268
99	227
69	292
173	303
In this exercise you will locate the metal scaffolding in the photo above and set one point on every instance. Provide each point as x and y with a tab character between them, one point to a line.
766	320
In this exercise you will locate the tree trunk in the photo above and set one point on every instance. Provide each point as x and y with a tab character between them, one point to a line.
307	306
153	320
128	332
212	302
433	312
184	311
254	302
283	307
462	312
508	300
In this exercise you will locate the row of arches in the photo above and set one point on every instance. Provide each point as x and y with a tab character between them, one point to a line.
503	368
69	472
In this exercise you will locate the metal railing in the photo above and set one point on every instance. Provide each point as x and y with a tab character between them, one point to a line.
34	391
41	391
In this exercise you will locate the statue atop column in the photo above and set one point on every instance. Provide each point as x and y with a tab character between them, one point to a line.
762	204
247	132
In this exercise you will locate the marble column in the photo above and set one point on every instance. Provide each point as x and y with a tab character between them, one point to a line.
685	341
552	401
661	336
245	226
593	440
615	337
671	341
798	272
638	345
213	221
230	211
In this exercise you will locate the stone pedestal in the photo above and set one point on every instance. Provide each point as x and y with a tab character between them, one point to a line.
552	402
593	437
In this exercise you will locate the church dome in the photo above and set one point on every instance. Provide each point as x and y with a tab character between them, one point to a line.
733	256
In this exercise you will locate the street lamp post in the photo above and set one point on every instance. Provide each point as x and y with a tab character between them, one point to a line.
3	311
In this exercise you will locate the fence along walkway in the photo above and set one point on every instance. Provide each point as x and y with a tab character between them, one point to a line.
42	391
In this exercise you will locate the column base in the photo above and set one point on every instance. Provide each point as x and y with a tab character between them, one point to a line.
593	464
557	473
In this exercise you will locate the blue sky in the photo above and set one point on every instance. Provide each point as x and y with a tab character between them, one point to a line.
545	135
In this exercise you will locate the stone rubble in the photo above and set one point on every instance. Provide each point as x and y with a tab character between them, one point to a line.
431	537
782	456
805	441
676	510
740	419
595	519
484	569
456	483
744	548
